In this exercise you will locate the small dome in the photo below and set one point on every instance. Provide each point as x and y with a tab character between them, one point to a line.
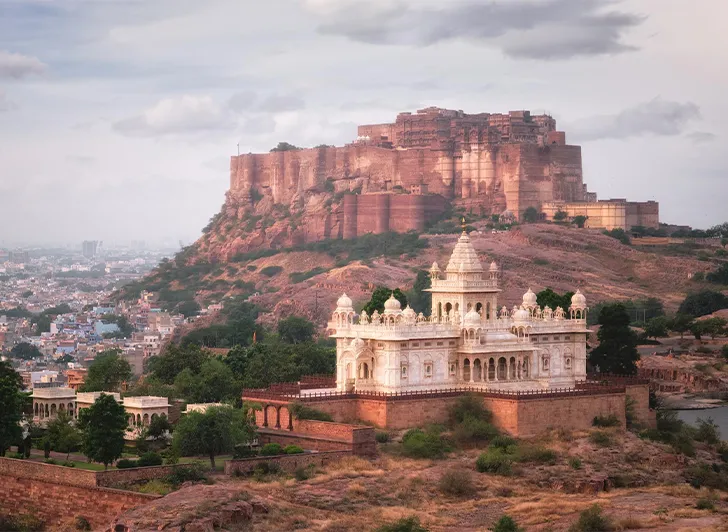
529	299
409	313
521	315
472	318
435	267
392	305
344	302
493	267
578	300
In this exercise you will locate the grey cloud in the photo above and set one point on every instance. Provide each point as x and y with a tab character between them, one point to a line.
5	104
281	103
242	101
546	29
17	66
699	137
656	117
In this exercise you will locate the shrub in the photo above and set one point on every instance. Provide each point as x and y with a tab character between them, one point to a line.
575	463
304	473
707	431
705	504
591	520
301	411
600	438
469	406
125	463
243	450
188	473
534	453
606	421
495	461
263	470
419	444
271	271
292	449
156	486
703	475
406	524
150	459
271	449
457	482
68	463
81	523
506	524
50	461
17	456
473	430
503	442
382	436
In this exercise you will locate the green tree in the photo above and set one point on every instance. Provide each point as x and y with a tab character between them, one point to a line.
125	328
620	234
296	330
11	401
215	432
62	434
25	351
158	427
713	326
65	359
617	350
26	294
579	221
405	524
285	146
702	303
657	327
560	216
188	308
174	360
107	372
719	276
42	323
419	299
553	299
530	215
380	296
213	383
506	524
680	323
103	426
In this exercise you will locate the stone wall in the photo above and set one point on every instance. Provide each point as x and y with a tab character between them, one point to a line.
288	463
571	413
57	497
119	477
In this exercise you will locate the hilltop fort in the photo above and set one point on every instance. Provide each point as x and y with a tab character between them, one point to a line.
400	176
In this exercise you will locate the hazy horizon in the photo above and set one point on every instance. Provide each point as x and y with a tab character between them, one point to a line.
118	117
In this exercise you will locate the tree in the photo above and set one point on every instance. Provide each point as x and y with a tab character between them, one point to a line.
719	276
553	299
702	303
11	401
657	327
216	431
680	323
296	330
103	425
617	350
189	308
285	146
580	220
174	360
530	215
711	326
419	299
158	427
65	359
107	372
560	216
25	351
380	296
213	383
62	434
620	234
125	328
506	524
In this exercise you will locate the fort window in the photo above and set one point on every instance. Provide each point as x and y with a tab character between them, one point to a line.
545	363
567	337
428	369
427	344
404	344
440	343
557	338
380	344
415	344
452	342
534	339
567	362
403	371
453	369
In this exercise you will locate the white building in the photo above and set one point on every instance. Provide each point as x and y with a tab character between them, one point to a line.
467	341
48	402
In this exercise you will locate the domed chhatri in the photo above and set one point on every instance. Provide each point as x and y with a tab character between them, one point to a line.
392	305
466	340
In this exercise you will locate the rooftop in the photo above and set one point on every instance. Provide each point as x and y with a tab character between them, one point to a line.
90	397
54	393
146	401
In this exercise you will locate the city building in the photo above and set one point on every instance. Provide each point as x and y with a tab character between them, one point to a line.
48	402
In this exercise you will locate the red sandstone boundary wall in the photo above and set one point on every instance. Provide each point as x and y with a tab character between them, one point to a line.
288	463
118	477
58	497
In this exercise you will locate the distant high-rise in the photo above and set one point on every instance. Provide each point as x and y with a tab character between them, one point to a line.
90	248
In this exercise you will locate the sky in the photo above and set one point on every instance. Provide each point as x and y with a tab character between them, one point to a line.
118	117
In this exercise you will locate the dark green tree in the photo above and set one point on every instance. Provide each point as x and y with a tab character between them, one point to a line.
11	402
712	327
285	146
702	303
620	234
62	434
103	426
719	276
158	427
560	216
506	524
530	215
680	323
553	299
215	432
579	221
657	327
107	372
380	296
174	360
617	350
420	300
189	308
25	351
213	383
296	330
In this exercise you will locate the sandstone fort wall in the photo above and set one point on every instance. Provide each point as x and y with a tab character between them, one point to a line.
288	463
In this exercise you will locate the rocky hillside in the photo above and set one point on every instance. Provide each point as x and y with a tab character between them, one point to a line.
261	255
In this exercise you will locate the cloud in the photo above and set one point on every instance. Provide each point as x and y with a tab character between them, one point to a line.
282	103
699	137
5	104
17	66
529	29
657	117
181	115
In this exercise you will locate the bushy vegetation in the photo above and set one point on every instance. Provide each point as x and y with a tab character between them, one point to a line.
591	520
417	443
382	437
292	449
470	422
601	438
271	449
617	349
149	459
271	271
505	451
406	524
606	421
677	433
703	303
619	234
301	411
457	482
506	524
299	277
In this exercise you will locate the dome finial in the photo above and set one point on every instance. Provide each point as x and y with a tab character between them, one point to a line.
462	223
